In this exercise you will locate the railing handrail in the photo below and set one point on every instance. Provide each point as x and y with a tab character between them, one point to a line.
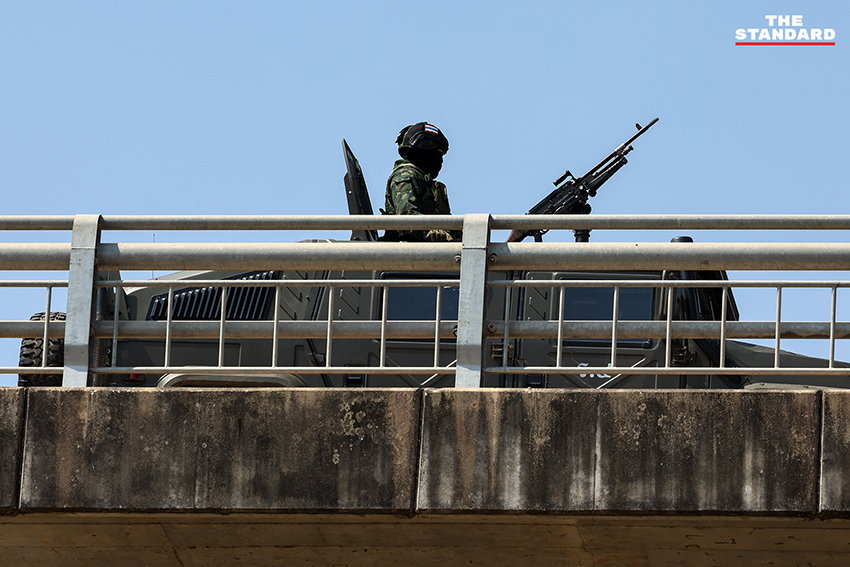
452	222
436	256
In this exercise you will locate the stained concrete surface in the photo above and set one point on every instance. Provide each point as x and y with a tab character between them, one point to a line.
641	451
835	473
11	443
360	477
205	449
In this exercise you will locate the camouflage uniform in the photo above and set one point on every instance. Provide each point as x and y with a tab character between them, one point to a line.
411	192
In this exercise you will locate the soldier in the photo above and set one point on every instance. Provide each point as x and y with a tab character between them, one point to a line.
411	187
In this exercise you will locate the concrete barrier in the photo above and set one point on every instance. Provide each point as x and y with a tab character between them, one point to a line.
620	451
11	443
223	450
835	472
484	450
363	477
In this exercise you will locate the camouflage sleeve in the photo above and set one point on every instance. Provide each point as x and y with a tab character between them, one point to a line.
407	190
441	198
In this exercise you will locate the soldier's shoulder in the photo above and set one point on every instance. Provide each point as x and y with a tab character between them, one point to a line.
406	171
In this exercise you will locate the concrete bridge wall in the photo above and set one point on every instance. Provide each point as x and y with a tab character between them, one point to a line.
361	477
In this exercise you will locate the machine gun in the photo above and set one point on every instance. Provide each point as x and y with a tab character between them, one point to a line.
571	193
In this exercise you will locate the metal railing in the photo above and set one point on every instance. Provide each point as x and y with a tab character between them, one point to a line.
473	260
669	330
327	328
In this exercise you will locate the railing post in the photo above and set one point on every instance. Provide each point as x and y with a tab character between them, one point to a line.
473	275
78	325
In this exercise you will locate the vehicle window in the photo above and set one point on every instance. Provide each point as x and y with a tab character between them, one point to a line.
597	304
420	303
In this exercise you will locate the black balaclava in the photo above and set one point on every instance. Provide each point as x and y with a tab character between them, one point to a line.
429	161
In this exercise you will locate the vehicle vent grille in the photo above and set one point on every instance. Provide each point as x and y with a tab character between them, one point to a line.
204	303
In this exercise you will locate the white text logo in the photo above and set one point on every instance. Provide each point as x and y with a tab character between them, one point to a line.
785	30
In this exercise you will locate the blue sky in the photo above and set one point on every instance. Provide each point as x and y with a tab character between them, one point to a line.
172	107
239	108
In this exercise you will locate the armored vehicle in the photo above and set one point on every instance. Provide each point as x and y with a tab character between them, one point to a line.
432	306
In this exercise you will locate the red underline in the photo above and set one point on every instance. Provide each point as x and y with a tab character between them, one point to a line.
785	43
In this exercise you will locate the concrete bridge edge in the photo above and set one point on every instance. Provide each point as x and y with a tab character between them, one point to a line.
411	452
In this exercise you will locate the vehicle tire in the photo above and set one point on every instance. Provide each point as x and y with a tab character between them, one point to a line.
32	351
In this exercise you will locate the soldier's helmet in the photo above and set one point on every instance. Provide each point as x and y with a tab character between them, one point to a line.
422	136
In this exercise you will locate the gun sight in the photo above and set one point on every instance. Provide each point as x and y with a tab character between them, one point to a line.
561	179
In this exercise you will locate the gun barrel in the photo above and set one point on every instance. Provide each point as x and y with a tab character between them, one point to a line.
640	132
624	146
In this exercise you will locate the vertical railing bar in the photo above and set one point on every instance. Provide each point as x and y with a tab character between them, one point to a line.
723	328
559	360
328	342
276	331
778	320
508	291
384	303
46	343
221	325
168	320
82	274
115	314
614	319
832	327
668	355
472	293
438	318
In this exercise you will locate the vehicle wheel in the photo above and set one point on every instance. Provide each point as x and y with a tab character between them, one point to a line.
32	351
